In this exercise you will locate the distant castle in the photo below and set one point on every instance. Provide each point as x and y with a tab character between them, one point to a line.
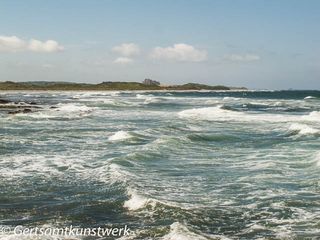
150	82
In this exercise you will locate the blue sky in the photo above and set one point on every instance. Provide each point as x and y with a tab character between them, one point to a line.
273	44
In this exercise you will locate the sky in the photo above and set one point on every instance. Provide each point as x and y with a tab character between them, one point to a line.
259	44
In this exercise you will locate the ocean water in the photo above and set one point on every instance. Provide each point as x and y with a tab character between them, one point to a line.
170	165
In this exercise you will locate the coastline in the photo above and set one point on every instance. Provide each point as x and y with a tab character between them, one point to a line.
109	86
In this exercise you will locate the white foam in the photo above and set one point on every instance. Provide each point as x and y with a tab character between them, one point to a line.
179	231
195	128
108	101
148	98
262	104
93	93
62	110
45	165
119	136
70	107
217	113
140	96
211	102
278	104
309	97
230	98
303	129
144	96
313	116
114	94
117	173
261	165
257	227
39	115
151	100
136	201
202	113
284	232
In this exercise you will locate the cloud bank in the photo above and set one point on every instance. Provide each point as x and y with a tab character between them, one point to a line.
15	44
179	52
127	49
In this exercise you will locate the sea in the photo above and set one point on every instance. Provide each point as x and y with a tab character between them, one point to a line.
169	165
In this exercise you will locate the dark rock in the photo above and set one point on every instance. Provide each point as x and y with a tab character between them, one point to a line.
26	110
35	107
13	112
4	101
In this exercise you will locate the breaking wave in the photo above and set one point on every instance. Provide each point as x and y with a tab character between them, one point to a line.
71	107
309	97
179	231
220	113
302	129
136	201
61	110
313	116
119	136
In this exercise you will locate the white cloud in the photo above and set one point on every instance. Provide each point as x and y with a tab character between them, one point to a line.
48	46
179	52
127	49
15	44
123	60
242	58
11	44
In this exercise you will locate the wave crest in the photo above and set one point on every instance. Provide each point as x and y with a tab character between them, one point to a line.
179	231
136	201
221	113
119	136
302	129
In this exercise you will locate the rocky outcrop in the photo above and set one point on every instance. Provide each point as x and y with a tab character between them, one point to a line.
25	110
14	107
4	101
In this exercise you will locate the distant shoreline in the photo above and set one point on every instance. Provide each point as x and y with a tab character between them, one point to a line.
108	86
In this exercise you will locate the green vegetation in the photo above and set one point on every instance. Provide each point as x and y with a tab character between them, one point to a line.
196	86
104	86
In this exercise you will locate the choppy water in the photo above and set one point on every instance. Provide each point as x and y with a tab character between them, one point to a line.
171	165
